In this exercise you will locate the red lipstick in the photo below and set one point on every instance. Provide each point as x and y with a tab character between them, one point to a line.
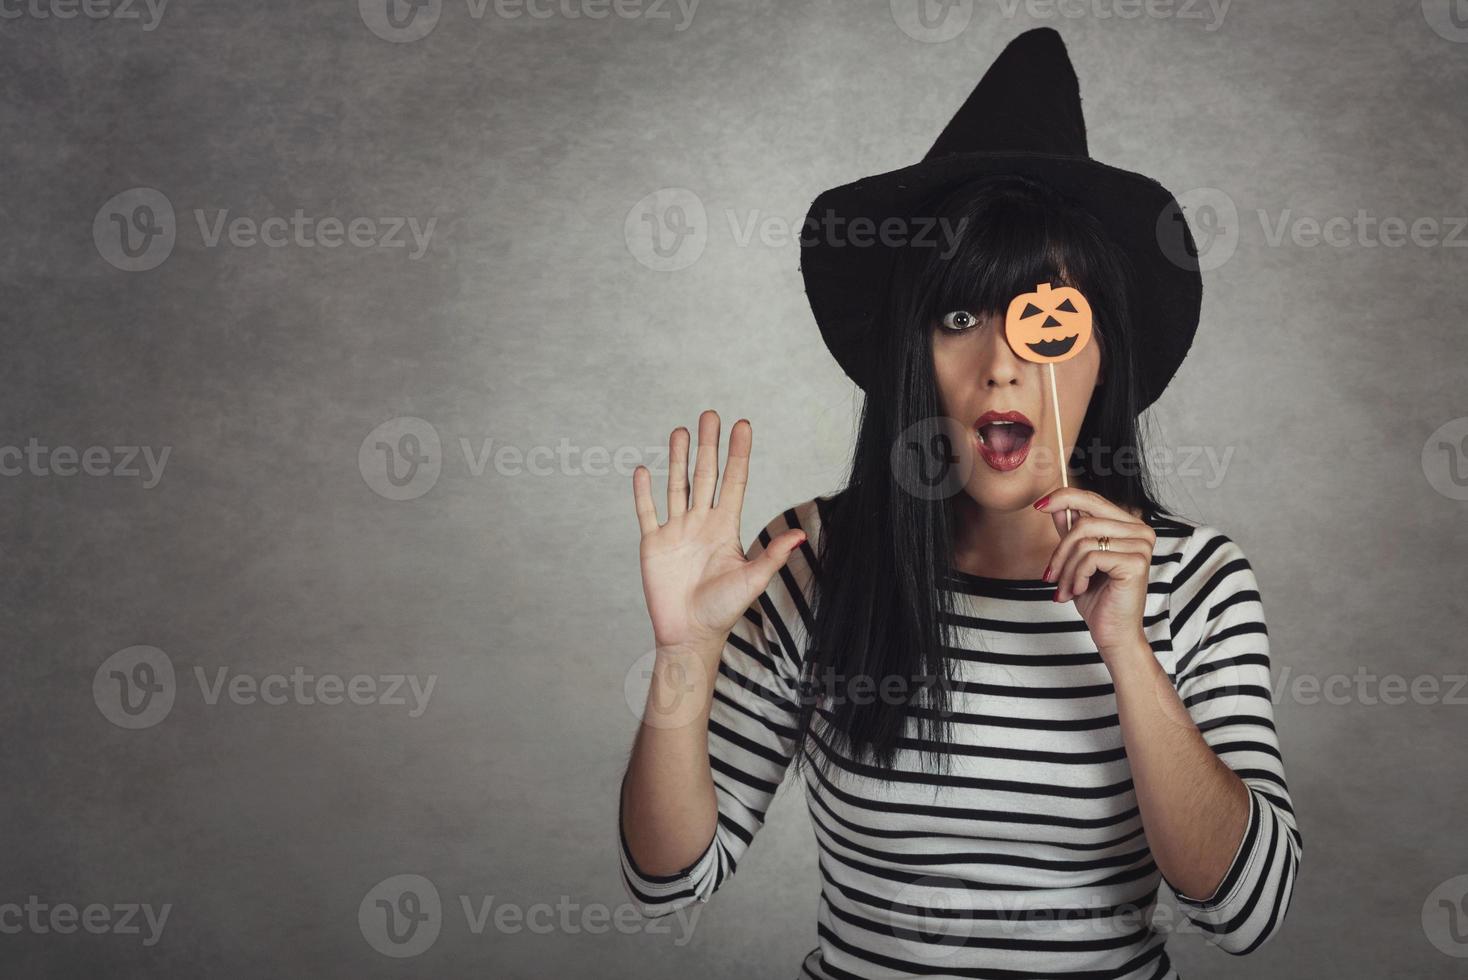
1004	439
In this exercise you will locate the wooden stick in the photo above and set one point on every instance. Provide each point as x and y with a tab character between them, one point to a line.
1060	439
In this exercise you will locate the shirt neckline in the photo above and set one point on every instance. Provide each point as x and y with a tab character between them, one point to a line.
986	585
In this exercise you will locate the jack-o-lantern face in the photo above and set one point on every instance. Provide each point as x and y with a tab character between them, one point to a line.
1049	325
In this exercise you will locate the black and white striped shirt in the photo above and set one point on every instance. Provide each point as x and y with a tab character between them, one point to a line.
1028	858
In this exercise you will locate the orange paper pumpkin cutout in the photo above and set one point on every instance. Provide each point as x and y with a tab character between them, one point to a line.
1049	325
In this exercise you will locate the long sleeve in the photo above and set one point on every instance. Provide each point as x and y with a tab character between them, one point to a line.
751	730
1222	674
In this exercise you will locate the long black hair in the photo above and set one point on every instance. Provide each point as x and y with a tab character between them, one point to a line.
881	611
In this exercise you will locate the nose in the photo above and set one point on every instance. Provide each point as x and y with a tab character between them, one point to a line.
999	366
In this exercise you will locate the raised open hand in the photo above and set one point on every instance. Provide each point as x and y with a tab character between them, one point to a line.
695	575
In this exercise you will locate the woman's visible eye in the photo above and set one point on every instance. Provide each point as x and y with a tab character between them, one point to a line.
959	320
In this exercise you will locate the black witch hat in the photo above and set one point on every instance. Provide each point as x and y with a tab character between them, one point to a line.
1024	117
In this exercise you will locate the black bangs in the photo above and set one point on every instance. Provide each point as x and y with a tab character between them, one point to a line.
1002	237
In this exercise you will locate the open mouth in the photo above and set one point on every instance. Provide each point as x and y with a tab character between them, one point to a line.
1053	348
1004	439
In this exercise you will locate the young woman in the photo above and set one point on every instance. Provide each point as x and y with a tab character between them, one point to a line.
1012	724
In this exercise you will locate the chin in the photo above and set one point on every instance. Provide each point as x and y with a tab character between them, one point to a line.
1009	492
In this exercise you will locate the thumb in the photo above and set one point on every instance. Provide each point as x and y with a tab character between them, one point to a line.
773	558
1064	519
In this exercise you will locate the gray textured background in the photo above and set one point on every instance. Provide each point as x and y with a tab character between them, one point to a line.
537	319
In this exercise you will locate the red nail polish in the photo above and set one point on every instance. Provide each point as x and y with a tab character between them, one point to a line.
1045	575
1040	504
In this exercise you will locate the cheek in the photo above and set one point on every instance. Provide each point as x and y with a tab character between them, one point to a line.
1076	380
949	365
